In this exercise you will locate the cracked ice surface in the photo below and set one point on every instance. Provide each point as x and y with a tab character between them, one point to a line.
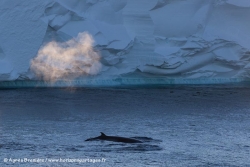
181	39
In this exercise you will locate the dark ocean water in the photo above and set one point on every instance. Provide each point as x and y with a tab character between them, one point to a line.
185	126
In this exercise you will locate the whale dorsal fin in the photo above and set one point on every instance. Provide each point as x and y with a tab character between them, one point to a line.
102	134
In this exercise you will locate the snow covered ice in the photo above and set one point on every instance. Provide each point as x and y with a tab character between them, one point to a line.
135	39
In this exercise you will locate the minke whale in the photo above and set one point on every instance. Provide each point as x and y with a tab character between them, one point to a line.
114	139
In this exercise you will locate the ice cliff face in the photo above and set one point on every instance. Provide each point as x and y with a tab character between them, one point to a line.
135	38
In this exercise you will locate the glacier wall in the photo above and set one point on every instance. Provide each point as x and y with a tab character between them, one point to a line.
169	39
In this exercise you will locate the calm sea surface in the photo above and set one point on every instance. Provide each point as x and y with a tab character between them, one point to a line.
185	126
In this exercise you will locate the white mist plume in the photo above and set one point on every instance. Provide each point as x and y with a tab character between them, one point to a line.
67	60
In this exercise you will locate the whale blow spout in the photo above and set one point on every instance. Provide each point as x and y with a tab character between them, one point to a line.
114	139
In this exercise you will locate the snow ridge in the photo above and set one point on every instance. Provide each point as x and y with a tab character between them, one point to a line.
170	39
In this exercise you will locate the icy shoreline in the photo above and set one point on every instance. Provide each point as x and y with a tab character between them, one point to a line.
123	82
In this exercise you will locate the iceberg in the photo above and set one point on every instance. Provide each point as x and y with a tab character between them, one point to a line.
136	42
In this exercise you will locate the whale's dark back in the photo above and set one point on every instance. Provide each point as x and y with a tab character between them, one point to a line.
114	139
122	139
